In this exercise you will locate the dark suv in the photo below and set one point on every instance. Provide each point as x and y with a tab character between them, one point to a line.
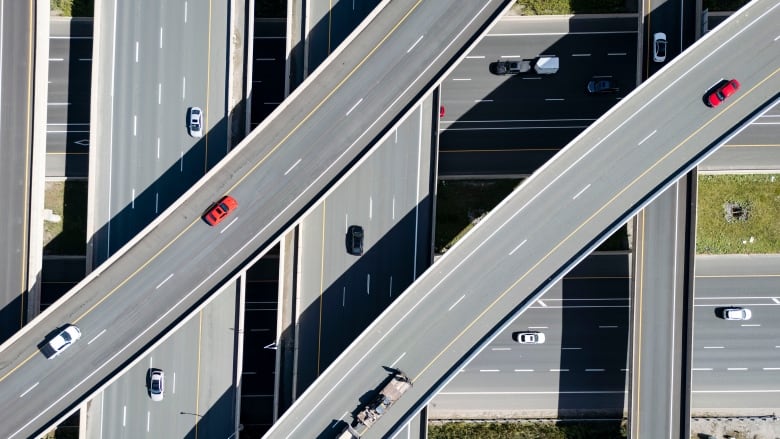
355	240
602	86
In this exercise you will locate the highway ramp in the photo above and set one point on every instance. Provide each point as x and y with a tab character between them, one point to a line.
619	164
276	174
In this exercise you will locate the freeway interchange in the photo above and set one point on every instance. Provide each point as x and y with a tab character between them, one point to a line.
150	270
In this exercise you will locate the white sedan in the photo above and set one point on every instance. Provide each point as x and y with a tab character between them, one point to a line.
529	337
62	341
196	122
737	313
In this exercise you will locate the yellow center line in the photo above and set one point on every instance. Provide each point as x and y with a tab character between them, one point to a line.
240	180
27	153
588	220
327	97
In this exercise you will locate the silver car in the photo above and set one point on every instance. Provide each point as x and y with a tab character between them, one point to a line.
196	122
157	385
659	47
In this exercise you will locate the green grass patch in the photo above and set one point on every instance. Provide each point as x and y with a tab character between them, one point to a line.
723	5
565	7
527	430
738	214
460	204
67	235
73	8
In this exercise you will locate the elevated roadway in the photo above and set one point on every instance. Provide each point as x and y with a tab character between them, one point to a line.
17	39
662	314
276	175
618	165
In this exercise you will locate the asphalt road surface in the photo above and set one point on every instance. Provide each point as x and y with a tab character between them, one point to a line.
283	167
154	70
734	363
390	195
70	73
329	23
641	146
267	68
754	149
581	367
17	37
513	124
660	373
198	361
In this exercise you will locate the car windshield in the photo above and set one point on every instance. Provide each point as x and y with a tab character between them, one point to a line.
65	336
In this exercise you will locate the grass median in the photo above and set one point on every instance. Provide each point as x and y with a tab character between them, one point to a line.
65	221
530	430
738	214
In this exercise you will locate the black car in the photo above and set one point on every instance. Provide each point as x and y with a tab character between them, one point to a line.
602	86
355	240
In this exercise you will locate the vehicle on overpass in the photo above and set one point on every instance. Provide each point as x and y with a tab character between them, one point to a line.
721	90
220	210
69	335
390	393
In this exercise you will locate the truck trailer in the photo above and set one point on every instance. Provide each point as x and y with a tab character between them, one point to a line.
387	396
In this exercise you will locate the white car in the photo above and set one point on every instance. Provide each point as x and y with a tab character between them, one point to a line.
659	47
62	341
196	122
737	313
157	385
529	337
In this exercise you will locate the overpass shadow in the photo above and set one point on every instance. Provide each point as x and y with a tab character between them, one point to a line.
512	130
523	120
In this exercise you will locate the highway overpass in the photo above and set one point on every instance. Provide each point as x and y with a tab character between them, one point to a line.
640	147
276	174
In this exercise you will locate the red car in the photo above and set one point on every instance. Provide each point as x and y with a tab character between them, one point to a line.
220	210
723	90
